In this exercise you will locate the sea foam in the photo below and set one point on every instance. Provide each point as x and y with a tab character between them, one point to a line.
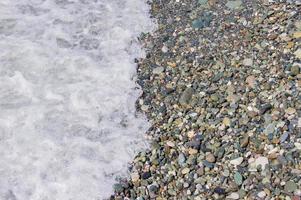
68	124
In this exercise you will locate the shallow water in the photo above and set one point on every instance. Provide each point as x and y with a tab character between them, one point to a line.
68	125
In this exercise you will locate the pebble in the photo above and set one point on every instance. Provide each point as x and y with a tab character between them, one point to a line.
290	186
261	194
244	141
283	137
297	53
185	170
181	159
234	4
247	62
226	121
210	158
261	161
170	143
186	96
238	178
135	177
295	70
237	161
158	70
290	111
233	195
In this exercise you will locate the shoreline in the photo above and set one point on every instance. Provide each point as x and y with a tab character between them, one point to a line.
221	87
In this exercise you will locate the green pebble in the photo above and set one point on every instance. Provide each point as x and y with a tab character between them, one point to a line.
290	186
238	178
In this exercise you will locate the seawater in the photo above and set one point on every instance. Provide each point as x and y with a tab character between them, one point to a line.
68	124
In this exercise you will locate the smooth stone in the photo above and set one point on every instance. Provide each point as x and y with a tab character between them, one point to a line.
244	141
186	96
283	137
210	158
261	161
237	161
220	152
181	159
208	164
234	4
220	191
261	194
290	111
247	62
118	188
226	121
297	145
135	177
146	175
238	178
185	170
226	173
158	70
295	70
202	2
270	129
290	186
233	195
297	53
170	143
203	21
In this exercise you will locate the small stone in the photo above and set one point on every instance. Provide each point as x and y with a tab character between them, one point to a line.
247	62
233	195
261	161
192	151
158	70
170	143
135	177
270	129
220	191
297	34
153	190
251	81
290	111
118	188
295	70
164	49
234	4
210	158
226	173
238	178
186	96
220	152
226	121
185	170
181	159
261	194
203	21
297	53
146	175
208	164
244	141
202	2
290	186
237	161
283	137
297	145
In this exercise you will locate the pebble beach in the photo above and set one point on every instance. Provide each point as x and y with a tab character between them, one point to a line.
221	85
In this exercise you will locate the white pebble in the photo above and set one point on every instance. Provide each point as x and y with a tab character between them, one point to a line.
261	194
237	161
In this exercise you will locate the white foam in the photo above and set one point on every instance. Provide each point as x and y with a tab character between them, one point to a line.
68	125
